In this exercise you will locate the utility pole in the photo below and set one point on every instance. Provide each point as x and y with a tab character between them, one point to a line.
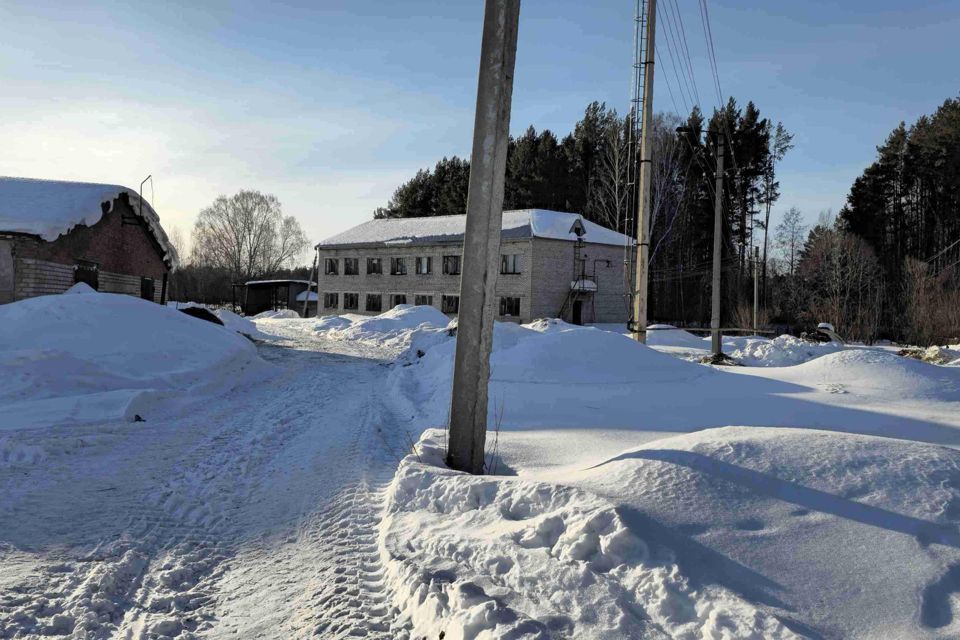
756	285
481	241
306	300
717	348
643	204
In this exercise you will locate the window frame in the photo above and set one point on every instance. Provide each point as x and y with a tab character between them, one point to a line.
393	299
356	302
331	295
446	308
503	306
418	299
356	264
446	262
505	259
379	268
398	266
379	305
423	260
331	262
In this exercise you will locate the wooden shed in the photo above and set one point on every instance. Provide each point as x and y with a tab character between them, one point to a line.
54	234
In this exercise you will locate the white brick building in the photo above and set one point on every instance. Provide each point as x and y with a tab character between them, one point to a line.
544	270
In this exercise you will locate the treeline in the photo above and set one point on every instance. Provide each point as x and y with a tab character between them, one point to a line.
906	207
589	171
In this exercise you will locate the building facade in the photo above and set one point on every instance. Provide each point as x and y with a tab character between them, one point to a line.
546	269
55	234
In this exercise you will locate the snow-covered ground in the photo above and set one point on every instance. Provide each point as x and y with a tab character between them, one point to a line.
249	512
633	494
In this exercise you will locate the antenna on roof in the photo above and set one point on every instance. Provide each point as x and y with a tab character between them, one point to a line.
150	178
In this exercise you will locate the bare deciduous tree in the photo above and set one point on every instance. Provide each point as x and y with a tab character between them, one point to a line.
791	233
248	235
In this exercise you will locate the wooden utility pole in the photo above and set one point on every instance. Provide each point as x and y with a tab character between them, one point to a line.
717	348
481	241
643	197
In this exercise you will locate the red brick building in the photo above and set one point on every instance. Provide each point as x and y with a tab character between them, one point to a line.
54	234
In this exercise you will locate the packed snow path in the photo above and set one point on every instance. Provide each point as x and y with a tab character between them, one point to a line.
252	516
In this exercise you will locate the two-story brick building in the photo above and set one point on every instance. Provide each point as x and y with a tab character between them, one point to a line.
552	264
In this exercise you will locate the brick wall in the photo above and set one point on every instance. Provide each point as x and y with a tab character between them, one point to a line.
553	271
125	252
435	284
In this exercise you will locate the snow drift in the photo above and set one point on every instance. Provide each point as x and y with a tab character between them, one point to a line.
392	329
100	356
487	557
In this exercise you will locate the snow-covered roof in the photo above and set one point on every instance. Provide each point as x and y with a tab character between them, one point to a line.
525	223
249	282
303	296
51	208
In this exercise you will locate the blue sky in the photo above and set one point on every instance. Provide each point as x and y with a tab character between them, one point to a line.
330	105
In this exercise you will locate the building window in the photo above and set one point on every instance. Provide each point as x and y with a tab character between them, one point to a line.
510	263
424	265
331	300
330	267
374	302
450	304
510	307
423	300
451	265
351	266
398	298
87	272
398	266
351	301
374	266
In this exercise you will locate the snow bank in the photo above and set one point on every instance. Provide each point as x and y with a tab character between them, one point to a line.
99	356
782	351
392	329
282	314
488	557
849	535
230	320
666	335
547	375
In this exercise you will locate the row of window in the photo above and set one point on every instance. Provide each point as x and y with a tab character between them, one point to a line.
423	265
509	306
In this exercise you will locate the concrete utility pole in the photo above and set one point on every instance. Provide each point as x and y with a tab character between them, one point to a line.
481	242
643	204
717	244
756	285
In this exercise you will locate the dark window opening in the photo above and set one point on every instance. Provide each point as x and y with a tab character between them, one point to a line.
147	289
374	266
331	300
87	272
450	304
398	267
351	266
398	298
374	302
451	265
351	301
330	267
510	307
423	300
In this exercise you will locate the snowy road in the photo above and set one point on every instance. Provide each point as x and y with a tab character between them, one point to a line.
252	516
